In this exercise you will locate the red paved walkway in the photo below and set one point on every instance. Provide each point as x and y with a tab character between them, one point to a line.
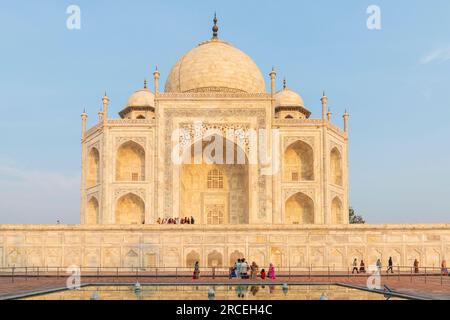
418	285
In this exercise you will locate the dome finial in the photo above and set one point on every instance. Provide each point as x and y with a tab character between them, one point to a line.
284	83
145	83
215	28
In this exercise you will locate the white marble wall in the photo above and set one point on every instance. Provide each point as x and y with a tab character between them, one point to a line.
169	245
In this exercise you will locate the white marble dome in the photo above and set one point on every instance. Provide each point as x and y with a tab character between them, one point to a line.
216	66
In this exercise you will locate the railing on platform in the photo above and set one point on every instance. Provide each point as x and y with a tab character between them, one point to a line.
425	274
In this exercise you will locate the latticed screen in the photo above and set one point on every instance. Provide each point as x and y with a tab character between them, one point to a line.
215	179
215	215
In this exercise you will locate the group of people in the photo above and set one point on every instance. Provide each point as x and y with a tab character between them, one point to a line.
362	266
185	220
390	267
241	270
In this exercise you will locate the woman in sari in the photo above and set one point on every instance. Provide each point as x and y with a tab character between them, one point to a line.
271	272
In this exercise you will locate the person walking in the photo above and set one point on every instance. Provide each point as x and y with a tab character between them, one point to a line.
272	272
390	266
196	270
379	265
416	266
355	266
362	267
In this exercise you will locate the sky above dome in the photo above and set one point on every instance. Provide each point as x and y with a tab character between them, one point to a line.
394	82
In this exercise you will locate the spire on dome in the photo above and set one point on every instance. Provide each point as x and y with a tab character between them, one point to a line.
284	83
215	28
145	83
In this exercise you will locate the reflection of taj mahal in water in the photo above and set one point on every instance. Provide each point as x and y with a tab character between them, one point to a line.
289	207
129	176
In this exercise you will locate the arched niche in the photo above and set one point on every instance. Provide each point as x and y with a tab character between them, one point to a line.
130	209
299	209
130	162
298	162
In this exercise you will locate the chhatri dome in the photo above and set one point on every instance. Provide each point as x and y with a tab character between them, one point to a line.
215	65
289	99
142	98
139	104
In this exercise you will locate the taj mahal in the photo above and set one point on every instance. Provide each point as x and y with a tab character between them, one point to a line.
260	175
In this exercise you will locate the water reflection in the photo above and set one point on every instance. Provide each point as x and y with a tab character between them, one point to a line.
221	292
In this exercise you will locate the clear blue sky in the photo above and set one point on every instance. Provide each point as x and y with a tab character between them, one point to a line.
395	83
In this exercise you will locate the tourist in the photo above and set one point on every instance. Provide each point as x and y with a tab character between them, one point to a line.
272	272
263	274
196	270
253	270
192	220
244	269
379	266
355	266
444	269
390	266
416	266
238	268
158	221
362	267
233	272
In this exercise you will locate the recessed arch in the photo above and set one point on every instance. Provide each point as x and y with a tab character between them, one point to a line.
336	166
140	117
337	216
92	210
289	117
298	162
130	162
214	191
215	259
191	258
299	209
93	168
130	209
235	256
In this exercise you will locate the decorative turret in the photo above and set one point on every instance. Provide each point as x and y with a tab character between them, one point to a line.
100	116
105	101
215	28
156	75
329	115
324	100
345	116
273	76
83	124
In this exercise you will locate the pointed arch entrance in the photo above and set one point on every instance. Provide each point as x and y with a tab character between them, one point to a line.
214	186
